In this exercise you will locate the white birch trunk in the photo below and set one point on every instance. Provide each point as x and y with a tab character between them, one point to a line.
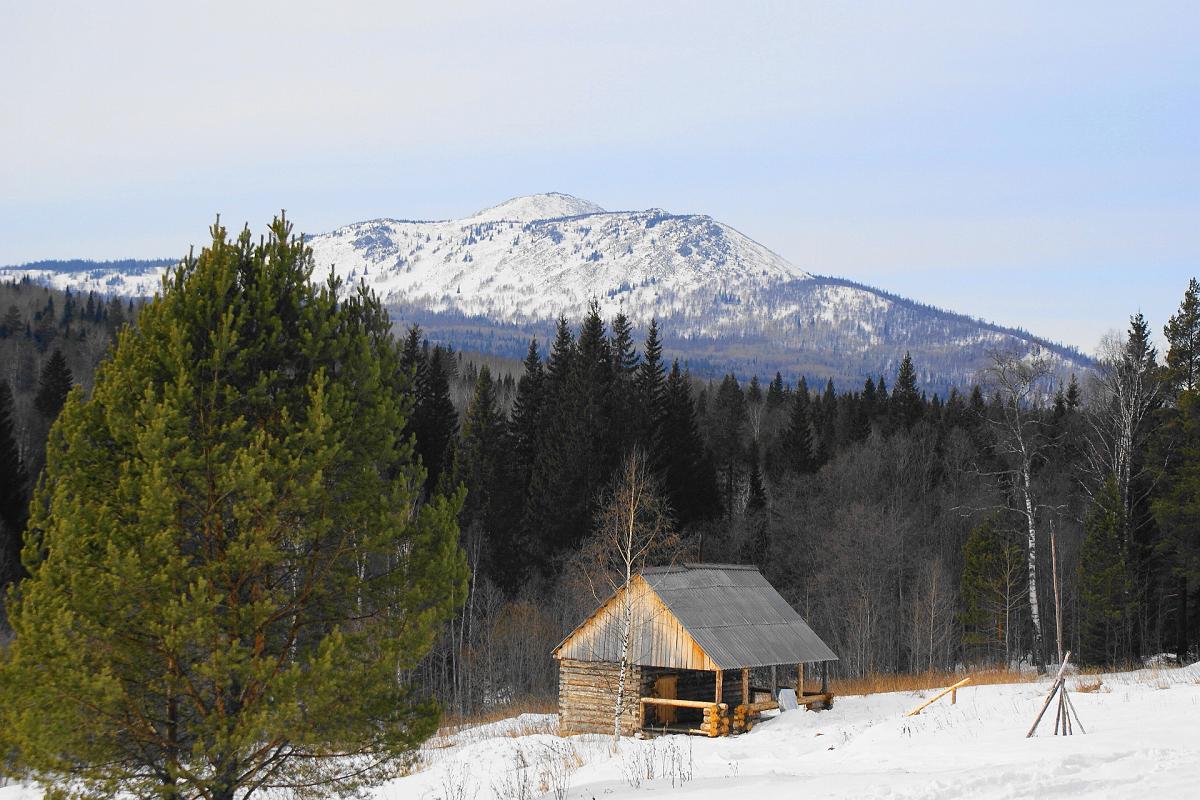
1031	556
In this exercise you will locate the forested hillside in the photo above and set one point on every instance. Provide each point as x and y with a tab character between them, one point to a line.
997	523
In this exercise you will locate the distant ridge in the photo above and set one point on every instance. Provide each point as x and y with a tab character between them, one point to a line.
490	281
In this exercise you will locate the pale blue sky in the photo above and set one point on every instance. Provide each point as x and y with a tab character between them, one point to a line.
1036	164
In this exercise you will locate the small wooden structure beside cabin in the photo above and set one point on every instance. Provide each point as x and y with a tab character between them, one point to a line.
696	632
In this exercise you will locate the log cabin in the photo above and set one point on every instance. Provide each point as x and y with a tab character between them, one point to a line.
703	639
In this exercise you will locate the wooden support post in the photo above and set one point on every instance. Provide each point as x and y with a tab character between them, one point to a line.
954	696
720	680
745	687
952	691
799	681
824	677
774	684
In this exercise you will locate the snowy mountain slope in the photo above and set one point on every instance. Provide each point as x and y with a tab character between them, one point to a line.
490	281
509	266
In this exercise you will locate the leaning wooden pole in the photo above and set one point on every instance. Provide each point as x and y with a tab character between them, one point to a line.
939	696
1054	687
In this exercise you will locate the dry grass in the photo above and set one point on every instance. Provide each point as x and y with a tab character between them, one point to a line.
1087	687
920	681
453	724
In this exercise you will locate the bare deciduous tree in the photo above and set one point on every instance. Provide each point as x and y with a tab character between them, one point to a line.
634	530
1019	440
1123	394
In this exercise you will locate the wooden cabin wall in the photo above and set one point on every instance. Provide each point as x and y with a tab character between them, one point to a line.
657	636
587	694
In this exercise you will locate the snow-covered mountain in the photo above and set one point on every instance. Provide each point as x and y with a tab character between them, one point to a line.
491	280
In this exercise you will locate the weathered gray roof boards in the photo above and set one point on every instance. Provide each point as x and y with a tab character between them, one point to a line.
730	612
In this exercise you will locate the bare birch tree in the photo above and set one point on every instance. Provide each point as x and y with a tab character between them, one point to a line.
1020	441
1124	392
634	530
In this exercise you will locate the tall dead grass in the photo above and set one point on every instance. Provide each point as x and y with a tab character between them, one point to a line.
453	724
878	683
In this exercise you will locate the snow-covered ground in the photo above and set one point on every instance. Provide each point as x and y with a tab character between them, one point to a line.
1142	740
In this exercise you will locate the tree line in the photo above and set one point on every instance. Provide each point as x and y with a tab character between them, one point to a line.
1002	523
1027	514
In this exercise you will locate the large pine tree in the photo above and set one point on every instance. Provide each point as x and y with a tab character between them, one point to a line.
230	569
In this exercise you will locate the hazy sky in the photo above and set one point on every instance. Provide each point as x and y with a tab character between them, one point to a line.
1036	164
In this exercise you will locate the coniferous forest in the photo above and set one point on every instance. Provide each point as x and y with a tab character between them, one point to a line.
1002	523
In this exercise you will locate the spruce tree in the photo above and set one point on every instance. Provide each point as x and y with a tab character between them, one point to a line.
906	402
14	500
525	421
53	385
437	418
230	573
776	394
1183	342
13	323
797	455
992	588
1176	506
727	425
556	505
1104	582
624	354
1073	396
649	385
688	477
477	465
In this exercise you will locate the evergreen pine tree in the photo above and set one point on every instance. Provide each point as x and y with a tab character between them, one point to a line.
776	395
727	424
756	542
1104	582
906	400
13	322
1176	506
437	419
526	419
649	385
477	466
796	446
1183	342
688	477
1073	397
992	589
53	385
624	354
229	568
14	500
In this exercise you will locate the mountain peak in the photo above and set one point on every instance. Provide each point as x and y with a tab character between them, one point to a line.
530	207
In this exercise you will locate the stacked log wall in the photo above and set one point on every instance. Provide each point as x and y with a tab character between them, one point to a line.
587	695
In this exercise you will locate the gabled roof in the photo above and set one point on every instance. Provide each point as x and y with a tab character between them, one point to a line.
730	616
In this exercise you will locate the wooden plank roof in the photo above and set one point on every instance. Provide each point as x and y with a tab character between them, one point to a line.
699	616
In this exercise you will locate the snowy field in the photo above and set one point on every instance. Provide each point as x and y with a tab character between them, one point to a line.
1142	740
